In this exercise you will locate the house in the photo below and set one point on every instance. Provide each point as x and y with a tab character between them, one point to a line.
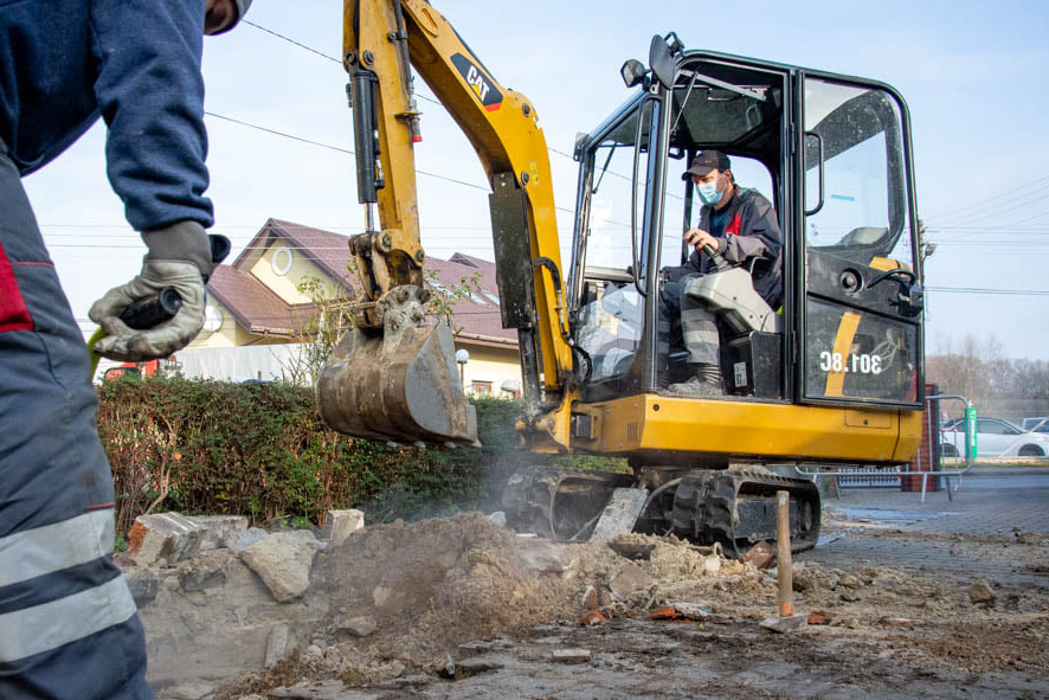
257	308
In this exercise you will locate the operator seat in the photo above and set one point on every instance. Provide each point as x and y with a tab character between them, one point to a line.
730	293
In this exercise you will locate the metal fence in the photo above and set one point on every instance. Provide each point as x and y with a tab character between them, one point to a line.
933	471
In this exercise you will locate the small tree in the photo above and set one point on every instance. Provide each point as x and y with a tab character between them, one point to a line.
328	318
444	298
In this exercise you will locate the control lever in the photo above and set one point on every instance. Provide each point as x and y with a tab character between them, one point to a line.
720	263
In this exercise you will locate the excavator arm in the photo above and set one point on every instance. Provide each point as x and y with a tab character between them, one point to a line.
393	376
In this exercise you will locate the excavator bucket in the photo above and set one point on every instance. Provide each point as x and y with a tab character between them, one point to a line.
399	384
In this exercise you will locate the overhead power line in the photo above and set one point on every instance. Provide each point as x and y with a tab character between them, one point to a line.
960	212
979	290
291	41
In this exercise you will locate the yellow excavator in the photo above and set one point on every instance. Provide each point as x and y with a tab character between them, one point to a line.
832	375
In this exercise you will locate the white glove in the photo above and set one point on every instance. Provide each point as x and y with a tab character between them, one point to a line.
183	265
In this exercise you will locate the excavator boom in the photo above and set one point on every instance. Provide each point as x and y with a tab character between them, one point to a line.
393	377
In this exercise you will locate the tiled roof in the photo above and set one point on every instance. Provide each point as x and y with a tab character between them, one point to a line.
476	317
255	306
329	251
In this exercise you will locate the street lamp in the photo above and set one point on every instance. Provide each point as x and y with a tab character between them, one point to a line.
462	356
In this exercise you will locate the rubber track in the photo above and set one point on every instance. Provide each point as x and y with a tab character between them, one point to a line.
705	512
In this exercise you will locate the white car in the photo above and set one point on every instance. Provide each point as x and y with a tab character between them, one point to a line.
995	437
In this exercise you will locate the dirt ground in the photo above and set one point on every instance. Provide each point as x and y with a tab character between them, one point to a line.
463	608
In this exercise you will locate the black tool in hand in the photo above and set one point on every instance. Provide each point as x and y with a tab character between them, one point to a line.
142	314
147	312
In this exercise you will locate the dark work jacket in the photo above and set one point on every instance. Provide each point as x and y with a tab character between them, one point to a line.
136	64
751	232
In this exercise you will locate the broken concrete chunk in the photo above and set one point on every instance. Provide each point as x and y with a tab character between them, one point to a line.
239	540
570	656
981	594
167	536
359	626
620	514
283	561
218	529
144	585
340	524
498	518
785	625
631	579
205	572
276	644
541	556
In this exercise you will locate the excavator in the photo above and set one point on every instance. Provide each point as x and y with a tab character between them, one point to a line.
832	375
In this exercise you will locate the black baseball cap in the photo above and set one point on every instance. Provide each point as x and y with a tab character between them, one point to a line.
705	161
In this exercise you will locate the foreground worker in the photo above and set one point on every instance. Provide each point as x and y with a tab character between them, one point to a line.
68	625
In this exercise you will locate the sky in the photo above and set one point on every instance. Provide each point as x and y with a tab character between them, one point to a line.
972	74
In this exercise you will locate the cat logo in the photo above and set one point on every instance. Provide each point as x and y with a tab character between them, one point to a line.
491	99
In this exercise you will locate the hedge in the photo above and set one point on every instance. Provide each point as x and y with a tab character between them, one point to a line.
201	446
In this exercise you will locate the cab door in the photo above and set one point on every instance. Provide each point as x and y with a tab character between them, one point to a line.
861	312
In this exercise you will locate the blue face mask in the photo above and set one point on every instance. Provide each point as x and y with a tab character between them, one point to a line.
709	193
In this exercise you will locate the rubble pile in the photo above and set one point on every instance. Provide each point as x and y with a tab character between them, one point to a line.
232	611
363	604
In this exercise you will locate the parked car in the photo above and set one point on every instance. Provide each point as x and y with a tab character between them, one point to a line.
995	437
1039	424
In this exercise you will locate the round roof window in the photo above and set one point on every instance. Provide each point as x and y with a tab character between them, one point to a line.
282	260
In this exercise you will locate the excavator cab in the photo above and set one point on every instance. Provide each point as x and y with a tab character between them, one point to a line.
832	156
825	369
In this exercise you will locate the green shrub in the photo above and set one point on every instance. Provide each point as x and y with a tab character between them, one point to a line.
260	450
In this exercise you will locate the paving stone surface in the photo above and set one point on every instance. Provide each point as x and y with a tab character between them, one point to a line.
986	503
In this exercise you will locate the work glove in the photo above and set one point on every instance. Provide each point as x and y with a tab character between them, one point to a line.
179	256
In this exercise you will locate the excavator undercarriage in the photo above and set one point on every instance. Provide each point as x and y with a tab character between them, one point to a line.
733	507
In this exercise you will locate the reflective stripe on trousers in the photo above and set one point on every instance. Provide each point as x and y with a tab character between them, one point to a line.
68	624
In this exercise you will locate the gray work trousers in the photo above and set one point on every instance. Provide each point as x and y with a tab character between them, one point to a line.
699	329
69	627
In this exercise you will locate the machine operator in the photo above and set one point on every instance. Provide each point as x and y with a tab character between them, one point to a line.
740	224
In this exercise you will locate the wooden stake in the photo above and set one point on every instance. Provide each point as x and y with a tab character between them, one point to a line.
783	560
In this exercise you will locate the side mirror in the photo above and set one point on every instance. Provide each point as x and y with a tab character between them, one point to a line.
661	57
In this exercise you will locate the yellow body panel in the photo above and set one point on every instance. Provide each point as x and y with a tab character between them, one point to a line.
652	423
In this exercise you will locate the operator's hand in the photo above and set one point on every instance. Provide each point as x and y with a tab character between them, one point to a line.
180	257
700	238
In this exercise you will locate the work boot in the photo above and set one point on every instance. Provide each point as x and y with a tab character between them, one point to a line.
705	382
